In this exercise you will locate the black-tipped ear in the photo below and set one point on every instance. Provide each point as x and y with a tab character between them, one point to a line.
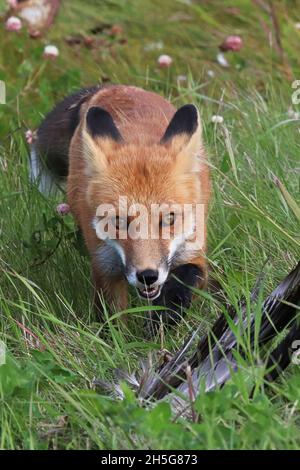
184	121
101	124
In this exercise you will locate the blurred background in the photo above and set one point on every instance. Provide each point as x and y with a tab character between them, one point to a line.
218	48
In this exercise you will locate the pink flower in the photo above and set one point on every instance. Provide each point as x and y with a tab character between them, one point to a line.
12	3
51	52
13	24
232	43
29	136
63	209
164	60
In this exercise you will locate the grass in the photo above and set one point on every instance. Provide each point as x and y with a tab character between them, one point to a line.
55	346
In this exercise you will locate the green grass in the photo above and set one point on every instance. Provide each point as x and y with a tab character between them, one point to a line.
45	387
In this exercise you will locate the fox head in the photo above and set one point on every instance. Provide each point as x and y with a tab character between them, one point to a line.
139	194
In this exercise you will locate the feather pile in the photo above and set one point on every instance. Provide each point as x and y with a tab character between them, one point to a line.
213	359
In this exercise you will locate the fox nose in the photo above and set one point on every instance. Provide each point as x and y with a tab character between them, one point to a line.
148	276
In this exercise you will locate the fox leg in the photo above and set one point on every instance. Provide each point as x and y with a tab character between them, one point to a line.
113	290
176	294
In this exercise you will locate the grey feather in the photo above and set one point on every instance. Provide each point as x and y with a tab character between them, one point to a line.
213	358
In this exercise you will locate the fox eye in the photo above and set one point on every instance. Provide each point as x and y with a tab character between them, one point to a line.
120	223
168	219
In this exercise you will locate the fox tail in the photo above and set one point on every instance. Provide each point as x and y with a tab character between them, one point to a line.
49	156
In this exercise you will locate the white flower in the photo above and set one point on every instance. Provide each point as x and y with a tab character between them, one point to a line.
152	46
13	24
164	60
297	25
292	114
210	73
217	119
222	60
181	78
51	52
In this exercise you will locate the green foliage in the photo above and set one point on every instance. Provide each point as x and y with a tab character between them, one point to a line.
55	345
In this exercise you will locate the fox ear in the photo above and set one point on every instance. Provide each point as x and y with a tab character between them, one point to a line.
184	122
98	135
100	124
184	132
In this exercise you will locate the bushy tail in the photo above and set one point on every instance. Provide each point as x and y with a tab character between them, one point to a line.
49	158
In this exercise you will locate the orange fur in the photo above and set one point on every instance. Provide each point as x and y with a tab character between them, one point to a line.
100	170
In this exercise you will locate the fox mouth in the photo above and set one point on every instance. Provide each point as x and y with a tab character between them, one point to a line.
149	293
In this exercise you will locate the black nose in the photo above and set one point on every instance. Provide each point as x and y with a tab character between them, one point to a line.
148	276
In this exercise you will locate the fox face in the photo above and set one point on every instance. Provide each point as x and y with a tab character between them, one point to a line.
143	198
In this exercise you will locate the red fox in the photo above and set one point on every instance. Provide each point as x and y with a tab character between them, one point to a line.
124	142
